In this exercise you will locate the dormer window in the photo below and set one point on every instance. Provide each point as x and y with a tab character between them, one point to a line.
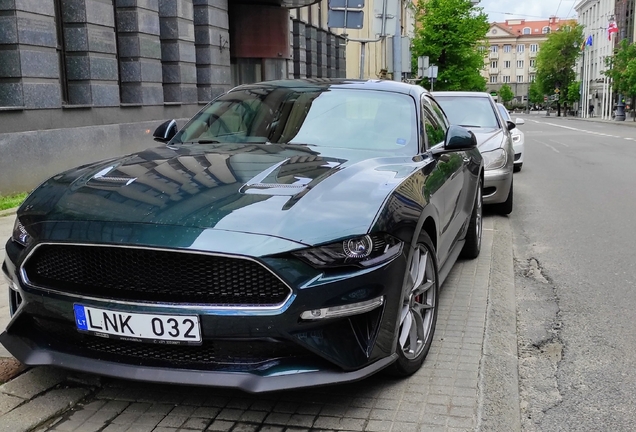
527	30
546	30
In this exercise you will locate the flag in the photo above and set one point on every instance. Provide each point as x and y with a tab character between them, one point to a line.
588	41
613	28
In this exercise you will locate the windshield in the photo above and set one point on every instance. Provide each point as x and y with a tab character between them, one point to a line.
504	112
359	119
469	111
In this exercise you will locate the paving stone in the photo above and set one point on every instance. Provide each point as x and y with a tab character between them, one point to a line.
8	402
33	382
220	426
196	423
40	409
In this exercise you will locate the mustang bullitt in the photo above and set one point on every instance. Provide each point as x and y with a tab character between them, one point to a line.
291	234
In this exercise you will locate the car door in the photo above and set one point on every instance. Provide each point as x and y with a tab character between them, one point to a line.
448	172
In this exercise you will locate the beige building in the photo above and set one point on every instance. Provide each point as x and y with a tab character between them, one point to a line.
511	50
378	50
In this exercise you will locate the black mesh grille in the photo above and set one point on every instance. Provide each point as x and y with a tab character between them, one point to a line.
209	355
155	276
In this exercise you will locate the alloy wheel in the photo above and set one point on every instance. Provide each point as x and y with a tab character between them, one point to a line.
418	310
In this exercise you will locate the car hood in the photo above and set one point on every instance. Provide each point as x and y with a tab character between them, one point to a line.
296	193
489	139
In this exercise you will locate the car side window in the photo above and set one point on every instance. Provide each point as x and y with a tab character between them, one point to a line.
434	127
439	112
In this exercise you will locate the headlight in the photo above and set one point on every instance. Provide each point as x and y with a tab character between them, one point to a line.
364	251
494	159
20	234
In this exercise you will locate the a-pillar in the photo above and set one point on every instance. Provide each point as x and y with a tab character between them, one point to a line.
91	52
29	63
212	42
177	51
139	52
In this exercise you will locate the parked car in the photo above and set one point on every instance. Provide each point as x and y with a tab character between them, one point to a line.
518	137
292	234
477	112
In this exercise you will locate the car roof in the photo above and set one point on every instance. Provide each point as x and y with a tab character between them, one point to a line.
460	93
325	84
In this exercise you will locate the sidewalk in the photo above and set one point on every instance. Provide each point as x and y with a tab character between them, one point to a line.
628	122
468	382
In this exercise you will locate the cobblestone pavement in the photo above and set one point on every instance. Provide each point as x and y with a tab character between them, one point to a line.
442	396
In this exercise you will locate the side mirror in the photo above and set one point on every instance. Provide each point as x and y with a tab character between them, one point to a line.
458	139
510	125
519	121
165	131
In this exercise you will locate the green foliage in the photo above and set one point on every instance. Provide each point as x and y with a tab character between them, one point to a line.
449	33
535	94
506	94
574	92
556	60
10	201
622	68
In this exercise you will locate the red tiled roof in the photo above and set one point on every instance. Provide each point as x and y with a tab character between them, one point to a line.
516	27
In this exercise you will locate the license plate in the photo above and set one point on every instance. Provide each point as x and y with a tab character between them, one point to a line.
155	328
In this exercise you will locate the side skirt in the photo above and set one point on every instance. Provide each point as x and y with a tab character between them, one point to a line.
450	261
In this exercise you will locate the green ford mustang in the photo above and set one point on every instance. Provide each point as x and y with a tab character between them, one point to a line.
292	234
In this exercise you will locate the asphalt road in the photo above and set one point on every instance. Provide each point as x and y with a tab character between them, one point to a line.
574	227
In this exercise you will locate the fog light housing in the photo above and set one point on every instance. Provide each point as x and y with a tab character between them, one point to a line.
343	310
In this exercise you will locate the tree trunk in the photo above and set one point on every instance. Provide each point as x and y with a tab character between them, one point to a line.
558	109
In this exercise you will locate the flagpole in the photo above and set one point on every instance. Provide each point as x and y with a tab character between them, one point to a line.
603	101
581	105
584	83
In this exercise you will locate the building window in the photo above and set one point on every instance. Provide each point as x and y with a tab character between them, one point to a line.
546	30
533	63
506	64
481	49
493	79
507	48
519	78
505	78
61	51
532	78
534	47
521	48
527	30
493	64
493	48
519	64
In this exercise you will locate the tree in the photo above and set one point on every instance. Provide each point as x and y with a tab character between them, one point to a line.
574	92
449	33
622	69
506	94
535	94
556	60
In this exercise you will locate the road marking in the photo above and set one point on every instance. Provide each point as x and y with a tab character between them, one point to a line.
557	142
547	145
577	129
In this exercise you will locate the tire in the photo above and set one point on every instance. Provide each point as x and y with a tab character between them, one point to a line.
472	247
505	208
517	167
419	310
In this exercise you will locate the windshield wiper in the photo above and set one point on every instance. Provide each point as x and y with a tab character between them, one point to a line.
204	141
475	126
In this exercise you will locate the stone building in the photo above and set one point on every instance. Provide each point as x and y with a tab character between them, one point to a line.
82	80
510	52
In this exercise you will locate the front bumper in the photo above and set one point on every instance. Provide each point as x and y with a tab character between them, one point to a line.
260	350
497	185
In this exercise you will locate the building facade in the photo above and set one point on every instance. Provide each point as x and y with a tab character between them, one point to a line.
510	53
82	80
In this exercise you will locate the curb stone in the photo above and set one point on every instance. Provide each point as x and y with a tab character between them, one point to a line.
499	407
8	212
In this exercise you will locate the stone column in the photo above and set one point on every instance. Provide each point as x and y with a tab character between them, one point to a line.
178	57
311	35
91	52
29	63
299	42
341	62
212	42
331	55
139	52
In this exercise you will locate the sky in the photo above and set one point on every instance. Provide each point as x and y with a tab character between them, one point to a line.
501	10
